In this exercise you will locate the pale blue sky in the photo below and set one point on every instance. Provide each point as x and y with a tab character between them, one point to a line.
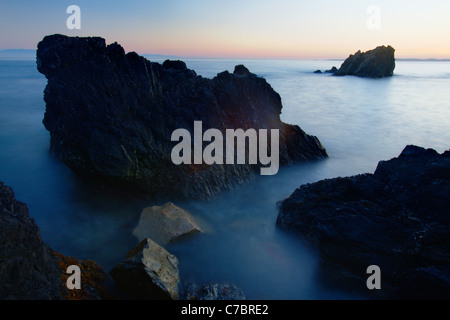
238	28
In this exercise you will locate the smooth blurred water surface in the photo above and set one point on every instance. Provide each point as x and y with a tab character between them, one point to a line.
359	121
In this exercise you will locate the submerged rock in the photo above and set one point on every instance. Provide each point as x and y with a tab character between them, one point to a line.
223	291
376	63
111	116
397	218
149	272
165	224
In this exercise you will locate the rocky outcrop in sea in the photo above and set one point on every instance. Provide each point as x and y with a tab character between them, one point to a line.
397	218
111	115
376	63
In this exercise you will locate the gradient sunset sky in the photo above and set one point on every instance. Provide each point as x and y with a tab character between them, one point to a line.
281	29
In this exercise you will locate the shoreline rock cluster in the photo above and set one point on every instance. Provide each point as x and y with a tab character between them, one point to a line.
397	218
149	271
31	270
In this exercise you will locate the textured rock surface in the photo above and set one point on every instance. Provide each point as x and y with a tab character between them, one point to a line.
111	116
94	280
165	224
397	218
376	63
150	272
223	291
28	267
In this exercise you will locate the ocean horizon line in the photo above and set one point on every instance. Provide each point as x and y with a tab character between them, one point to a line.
30	54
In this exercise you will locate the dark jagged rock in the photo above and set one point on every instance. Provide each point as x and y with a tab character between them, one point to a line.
397	218
175	65
376	63
332	70
241	70
29	268
111	116
318	71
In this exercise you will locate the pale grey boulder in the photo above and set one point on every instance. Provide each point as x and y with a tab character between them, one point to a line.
166	224
149	272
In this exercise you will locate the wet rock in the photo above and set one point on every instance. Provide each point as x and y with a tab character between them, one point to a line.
376	63
111	116
149	272
318	71
397	218
165	224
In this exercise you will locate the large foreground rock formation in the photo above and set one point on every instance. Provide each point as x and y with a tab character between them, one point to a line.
397	218
111	116
29	268
376	63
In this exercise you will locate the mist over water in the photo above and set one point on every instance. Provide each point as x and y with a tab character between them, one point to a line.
359	121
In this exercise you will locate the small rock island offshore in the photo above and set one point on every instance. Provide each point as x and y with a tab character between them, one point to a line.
376	63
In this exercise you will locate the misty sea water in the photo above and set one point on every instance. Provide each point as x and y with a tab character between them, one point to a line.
359	121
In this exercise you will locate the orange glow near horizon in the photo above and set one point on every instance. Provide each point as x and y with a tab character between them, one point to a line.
254	50
251	29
